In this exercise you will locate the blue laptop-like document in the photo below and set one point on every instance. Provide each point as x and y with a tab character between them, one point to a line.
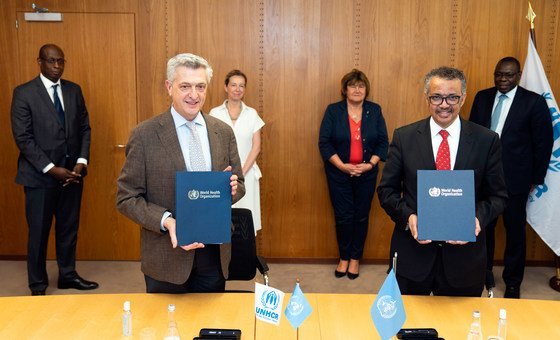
446	208
203	207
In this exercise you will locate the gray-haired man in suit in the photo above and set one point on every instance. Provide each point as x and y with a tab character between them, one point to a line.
156	150
51	128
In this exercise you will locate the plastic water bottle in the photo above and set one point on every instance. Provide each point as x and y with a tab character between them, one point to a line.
475	332
126	319
502	325
172	330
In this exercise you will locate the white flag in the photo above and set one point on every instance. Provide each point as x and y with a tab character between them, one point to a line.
544	199
268	303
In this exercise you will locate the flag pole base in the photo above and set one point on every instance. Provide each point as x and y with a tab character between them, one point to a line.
555	283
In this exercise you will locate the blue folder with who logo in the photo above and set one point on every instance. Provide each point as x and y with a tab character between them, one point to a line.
203	207
446	205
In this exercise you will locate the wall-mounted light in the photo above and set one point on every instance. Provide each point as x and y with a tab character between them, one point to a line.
42	14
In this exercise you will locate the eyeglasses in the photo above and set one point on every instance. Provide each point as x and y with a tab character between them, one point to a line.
359	86
507	75
186	87
450	100
52	61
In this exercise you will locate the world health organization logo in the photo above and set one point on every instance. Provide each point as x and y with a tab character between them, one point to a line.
193	194
387	306
295	306
269	299
434	192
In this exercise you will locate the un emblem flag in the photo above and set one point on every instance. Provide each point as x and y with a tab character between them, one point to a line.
387	310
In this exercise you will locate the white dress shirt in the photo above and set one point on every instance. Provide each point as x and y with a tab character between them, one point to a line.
453	139
48	85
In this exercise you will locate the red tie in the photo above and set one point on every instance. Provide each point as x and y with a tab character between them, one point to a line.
443	159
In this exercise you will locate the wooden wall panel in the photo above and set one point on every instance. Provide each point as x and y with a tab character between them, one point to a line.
226	34
390	33
294	54
12	235
308	49
151	57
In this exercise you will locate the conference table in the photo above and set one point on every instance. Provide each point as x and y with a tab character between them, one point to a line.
334	316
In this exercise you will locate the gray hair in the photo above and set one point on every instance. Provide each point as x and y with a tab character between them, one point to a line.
448	73
189	61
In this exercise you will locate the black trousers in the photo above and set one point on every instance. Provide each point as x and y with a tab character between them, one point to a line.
351	199
436	283
41	204
515	219
206	275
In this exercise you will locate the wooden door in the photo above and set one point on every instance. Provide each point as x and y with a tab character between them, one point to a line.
100	53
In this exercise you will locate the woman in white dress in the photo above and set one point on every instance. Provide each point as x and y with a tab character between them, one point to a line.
246	125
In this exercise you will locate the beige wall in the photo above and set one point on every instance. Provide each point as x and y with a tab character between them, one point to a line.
294	53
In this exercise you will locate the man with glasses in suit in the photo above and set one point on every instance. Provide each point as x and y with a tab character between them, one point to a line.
442	141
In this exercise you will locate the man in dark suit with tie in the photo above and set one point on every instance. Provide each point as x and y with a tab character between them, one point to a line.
51	128
182	138
453	268
523	121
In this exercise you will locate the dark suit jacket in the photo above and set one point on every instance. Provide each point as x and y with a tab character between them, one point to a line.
146	189
411	150
334	135
39	134
526	137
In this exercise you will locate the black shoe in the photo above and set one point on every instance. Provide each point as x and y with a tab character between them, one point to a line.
77	283
353	276
512	292
338	274
37	292
489	281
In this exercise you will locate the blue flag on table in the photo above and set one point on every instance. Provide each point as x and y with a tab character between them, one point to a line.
387	311
298	308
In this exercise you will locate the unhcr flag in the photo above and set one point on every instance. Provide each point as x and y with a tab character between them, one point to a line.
298	308
387	310
544	200
268	303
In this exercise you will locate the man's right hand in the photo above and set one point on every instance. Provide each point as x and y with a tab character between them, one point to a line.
63	175
171	225
413	225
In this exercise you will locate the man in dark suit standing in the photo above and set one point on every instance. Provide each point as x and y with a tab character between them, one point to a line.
453	268
182	138
523	121
51	128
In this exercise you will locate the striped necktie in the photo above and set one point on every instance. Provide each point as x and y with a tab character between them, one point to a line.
195	148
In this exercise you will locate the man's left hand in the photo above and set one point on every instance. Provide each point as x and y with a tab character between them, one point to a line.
77	173
233	182
477	230
78	168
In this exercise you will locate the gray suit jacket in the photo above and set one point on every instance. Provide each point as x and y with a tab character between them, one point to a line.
39	134
146	189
